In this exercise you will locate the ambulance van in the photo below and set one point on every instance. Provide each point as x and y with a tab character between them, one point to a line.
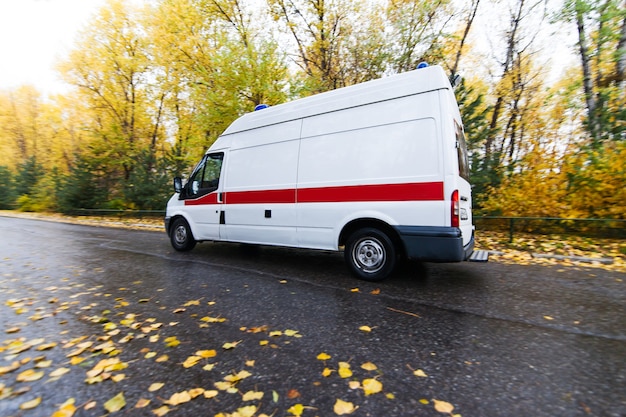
378	170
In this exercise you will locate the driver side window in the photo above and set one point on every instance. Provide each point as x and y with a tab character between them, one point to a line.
206	177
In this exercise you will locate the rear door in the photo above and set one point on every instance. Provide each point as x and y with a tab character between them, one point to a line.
465	189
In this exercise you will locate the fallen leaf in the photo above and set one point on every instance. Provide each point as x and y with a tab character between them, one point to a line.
344	370
196	392
29	405
155	386
142	402
67	409
162	358
252	396
29	375
323	356
293	393
326	372
118	377
238	376
420	373
161	411
12	330
369	366
230	345
247	411
548	318
343	407
46	346
179	398
116	403
172	341
443	406
365	328
354	384
372	386
210	393
206	353
59	372
375	291
191	361
296	410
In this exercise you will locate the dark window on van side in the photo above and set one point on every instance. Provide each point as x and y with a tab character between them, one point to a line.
205	178
461	148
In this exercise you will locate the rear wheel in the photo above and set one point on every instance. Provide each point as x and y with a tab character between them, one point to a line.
180	235
370	254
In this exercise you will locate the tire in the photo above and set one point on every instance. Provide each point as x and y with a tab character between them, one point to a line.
370	254
180	235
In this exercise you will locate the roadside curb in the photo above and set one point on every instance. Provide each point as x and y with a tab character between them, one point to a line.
585	259
605	261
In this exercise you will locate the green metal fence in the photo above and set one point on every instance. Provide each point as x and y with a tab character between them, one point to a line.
606	228
137	214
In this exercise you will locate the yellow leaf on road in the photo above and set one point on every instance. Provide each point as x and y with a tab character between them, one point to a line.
67	409
344	370
230	345
323	356
369	366
206	353
252	396
29	405
443	406
142	402
29	375
161	411
344	407
372	386
366	329
420	373
59	372
179	398
210	393
191	361
296	410
116	403
155	386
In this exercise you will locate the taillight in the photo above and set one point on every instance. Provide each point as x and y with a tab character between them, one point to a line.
455	210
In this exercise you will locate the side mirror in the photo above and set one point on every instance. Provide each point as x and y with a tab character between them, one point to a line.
178	184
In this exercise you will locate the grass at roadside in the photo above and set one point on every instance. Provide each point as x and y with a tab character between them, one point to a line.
520	251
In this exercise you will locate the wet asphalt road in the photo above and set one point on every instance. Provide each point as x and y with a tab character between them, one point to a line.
489	339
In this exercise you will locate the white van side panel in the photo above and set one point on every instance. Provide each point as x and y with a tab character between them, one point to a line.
377	161
260	185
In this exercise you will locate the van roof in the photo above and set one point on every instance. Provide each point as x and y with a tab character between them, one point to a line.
398	85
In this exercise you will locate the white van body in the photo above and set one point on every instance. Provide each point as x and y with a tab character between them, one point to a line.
379	167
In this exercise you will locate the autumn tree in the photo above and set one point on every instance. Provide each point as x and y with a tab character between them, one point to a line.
601	47
417	30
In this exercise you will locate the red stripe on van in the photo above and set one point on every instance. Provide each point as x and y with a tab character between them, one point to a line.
417	191
207	199
261	196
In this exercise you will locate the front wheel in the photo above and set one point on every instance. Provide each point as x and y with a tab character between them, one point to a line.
181	236
370	254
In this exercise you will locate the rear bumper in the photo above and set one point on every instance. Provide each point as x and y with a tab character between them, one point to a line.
435	244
